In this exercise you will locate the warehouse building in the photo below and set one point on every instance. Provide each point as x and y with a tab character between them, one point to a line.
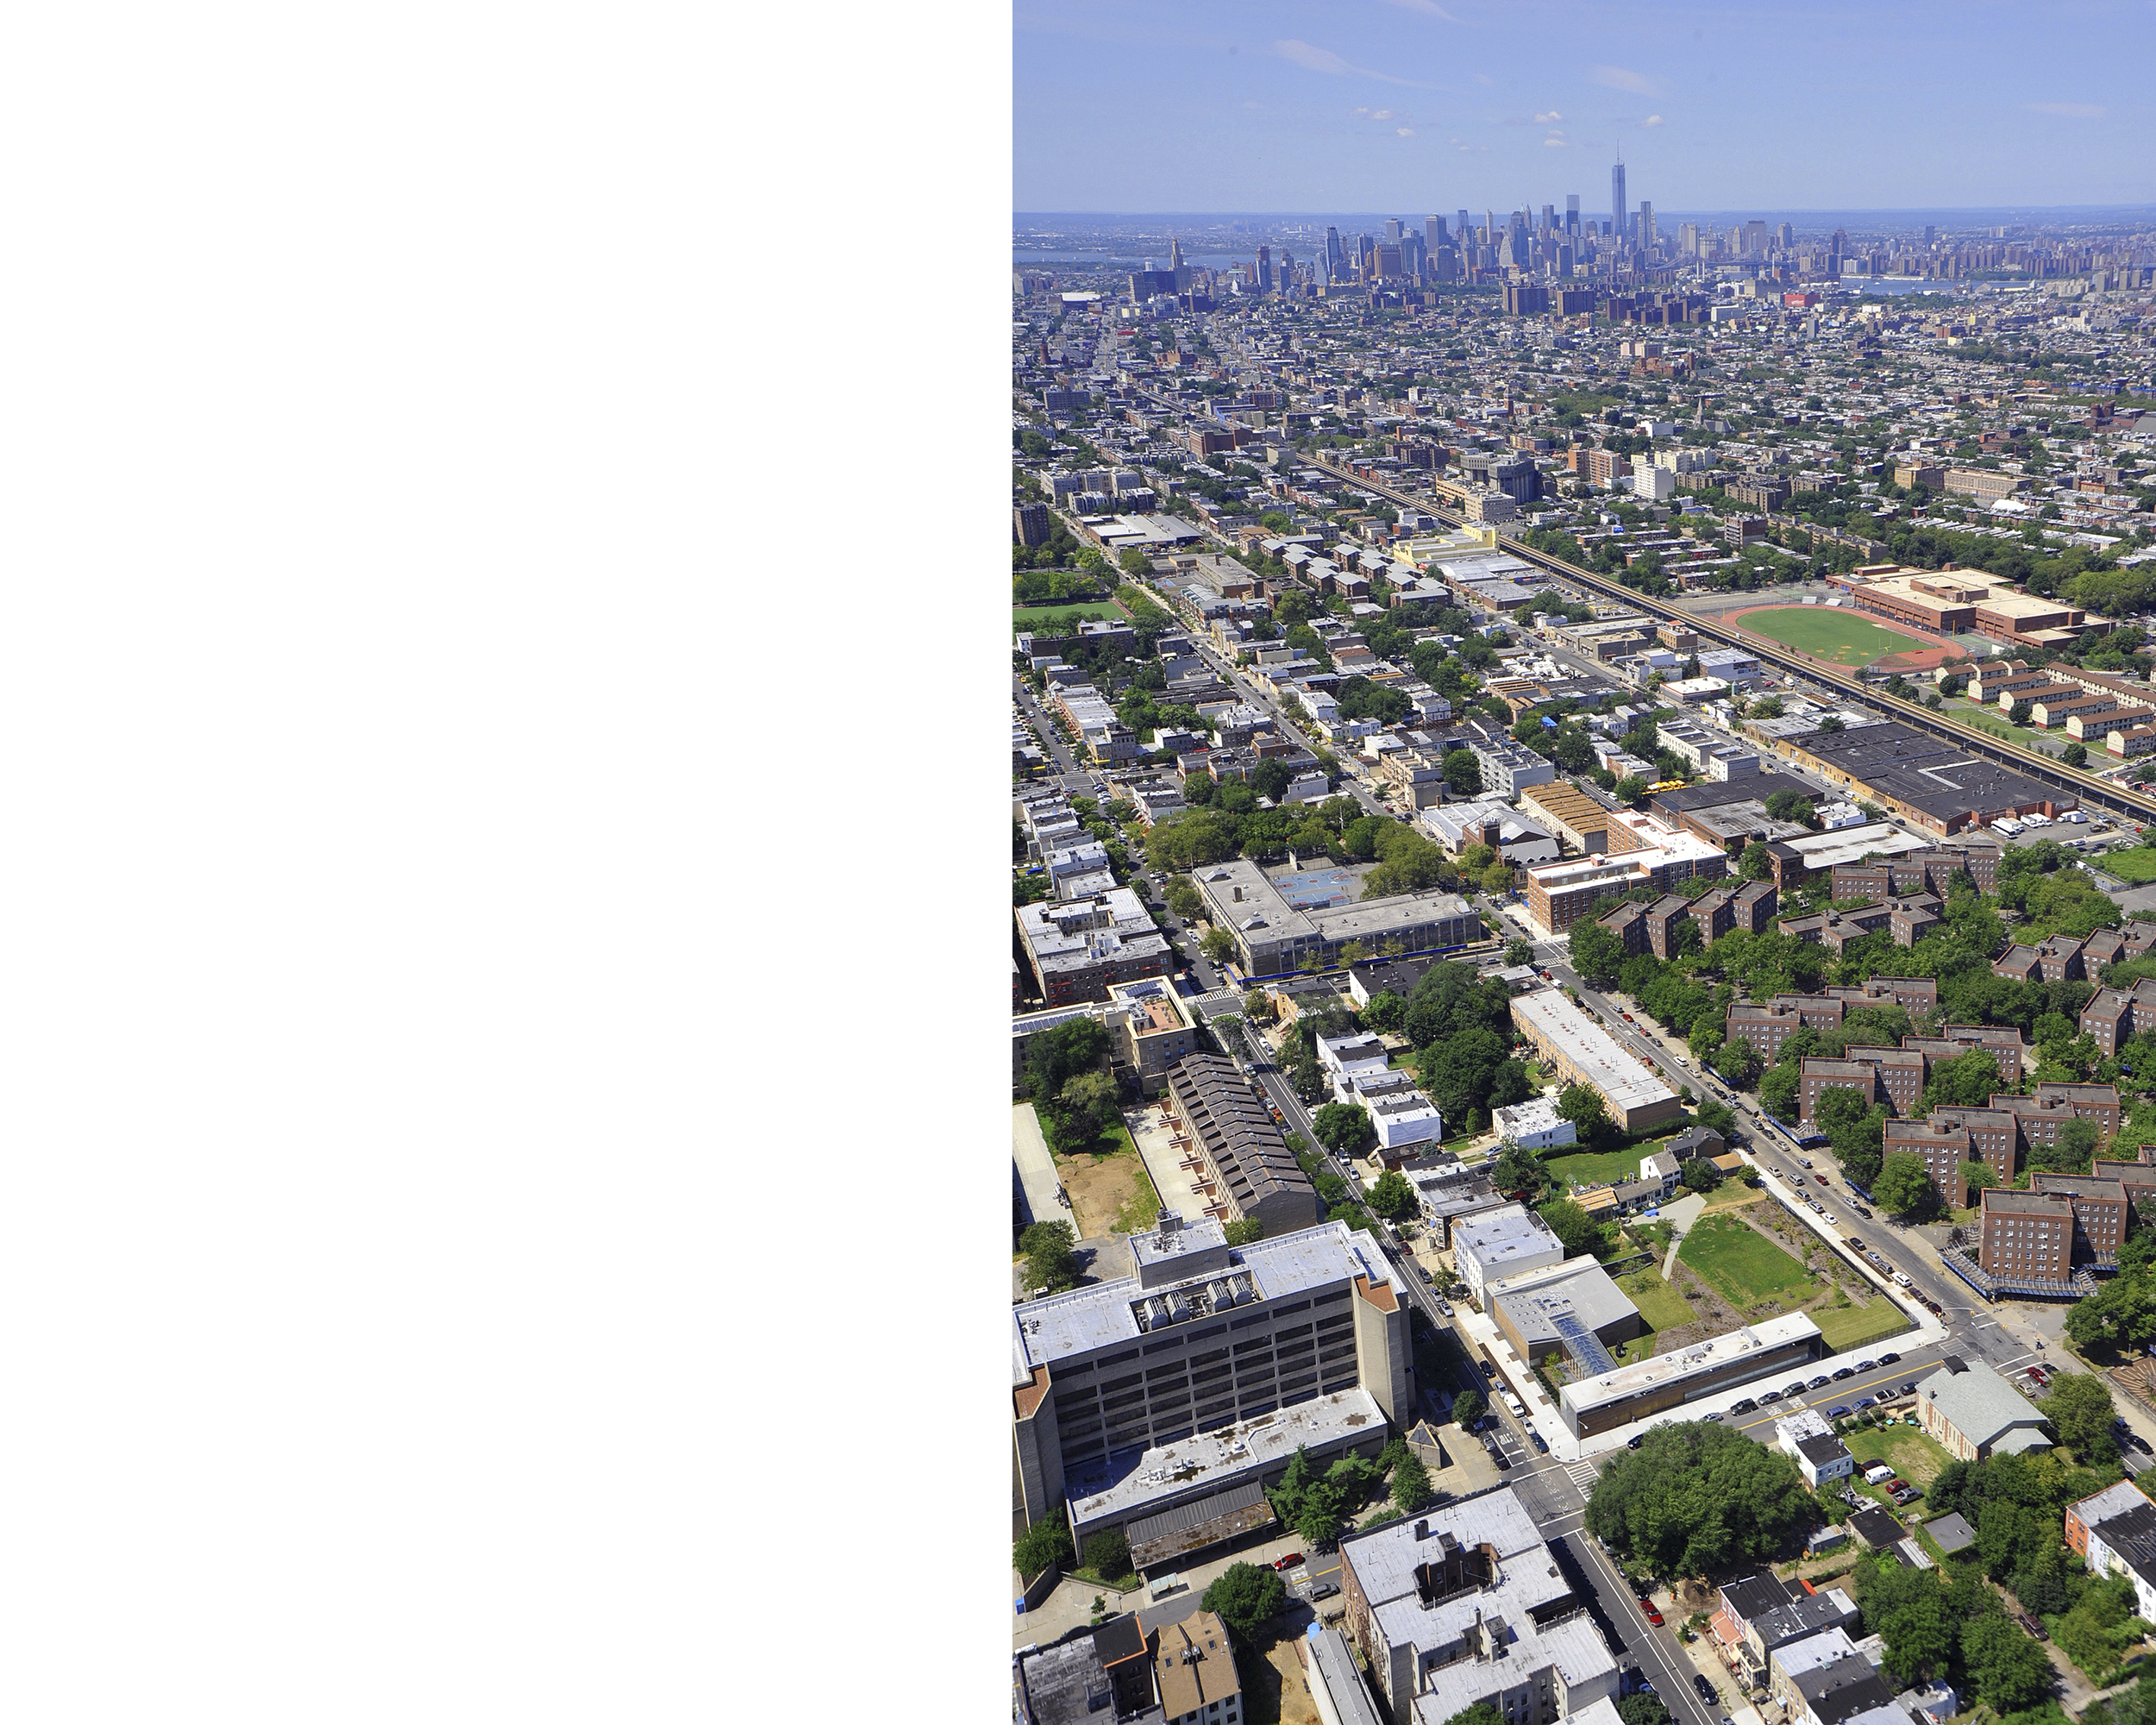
1665	1381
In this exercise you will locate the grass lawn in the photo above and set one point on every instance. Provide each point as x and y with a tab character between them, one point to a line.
1042	618
1989	718
2137	866
1839	635
1585	1168
1661	1305
1849	1327
1742	1266
1916	1457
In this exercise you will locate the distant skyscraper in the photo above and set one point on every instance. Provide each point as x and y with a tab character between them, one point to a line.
1433	232
1464	225
1335	258
1620	224
1571	212
1549	218
1392	233
1174	253
1646	224
1782	236
1930	233
1265	268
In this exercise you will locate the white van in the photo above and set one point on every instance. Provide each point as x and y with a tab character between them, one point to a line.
2035	820
1519	1408
1878	1471
2011	828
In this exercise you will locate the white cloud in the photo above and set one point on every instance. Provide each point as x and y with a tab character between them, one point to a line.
2072	110
1407	131
1617	78
1382	114
1549	119
1484	77
1428	8
1362	111
1324	60
1554	144
1651	120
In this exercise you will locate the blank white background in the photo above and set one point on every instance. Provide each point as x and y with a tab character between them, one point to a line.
504	952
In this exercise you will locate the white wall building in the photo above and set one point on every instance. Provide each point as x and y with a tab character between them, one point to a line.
1534	1125
1501	1243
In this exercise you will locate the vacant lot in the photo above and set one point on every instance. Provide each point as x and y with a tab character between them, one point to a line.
1852	1326
1110	1193
1586	1169
1661	1305
2137	866
1047	618
1839	637
1916	1457
1742	1265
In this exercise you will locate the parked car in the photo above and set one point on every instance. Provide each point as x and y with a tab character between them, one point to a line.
1868	1402
1712	1419
1444	1306
1288	1562
1795	1389
1890	1359
1842	1374
1867	1365
1327	1591
1821	1178
1770	1396
1837	1413
1819	1383
1705	1688
1634	1440
1746	1406
1653	1616
1541	1446
2034	1628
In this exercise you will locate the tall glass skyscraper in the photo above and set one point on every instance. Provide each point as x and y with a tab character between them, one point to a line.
1620	224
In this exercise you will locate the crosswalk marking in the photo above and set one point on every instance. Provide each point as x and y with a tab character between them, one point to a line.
1582	1474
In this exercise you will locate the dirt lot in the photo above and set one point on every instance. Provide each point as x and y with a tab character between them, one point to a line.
1273	1686
1109	1193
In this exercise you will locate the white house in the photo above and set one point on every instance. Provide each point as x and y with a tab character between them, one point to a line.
1810	1442
1349	1057
1534	1125
1663	1166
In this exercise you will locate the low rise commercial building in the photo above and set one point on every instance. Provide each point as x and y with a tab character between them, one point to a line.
1665	1381
1571	1310
1536	1125
1809	1440
1501	1243
1273	937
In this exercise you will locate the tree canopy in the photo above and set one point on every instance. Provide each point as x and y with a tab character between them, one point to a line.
1694	1497
1245	1597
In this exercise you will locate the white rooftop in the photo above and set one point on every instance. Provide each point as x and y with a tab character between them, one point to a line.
1617	1075
1707	1356
1062	1325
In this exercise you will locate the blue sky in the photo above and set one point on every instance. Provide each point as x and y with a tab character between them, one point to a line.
1422	105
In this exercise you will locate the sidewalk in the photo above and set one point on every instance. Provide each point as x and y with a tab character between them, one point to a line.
1177	1185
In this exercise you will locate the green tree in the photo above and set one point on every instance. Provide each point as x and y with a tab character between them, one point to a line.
1855	1129
1631	788
2074	754
1700	1175
1967	1081
1642	1709
1756	864
1219	945
1463	773
2007	1671
1738	1061
2019	712
1696	1498
2078	1405
1050	1261
1411	1486
1597	954
1468	1407
1055	1056
1345	1128
1577	1231
1386	1011
1975	1176
1108	1555
1518	950
1248	1231
1519	1170
1778	1090
1904	1186
1045	1545
2120	1313
1582	1104
1481	1713
1245	1597
1393	1195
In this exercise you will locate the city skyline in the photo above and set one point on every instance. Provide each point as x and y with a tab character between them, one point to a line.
1406	102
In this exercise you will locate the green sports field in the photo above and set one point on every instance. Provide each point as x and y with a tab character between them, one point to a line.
1839	637
1042	619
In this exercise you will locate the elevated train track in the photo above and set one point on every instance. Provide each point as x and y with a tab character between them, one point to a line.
2102	792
